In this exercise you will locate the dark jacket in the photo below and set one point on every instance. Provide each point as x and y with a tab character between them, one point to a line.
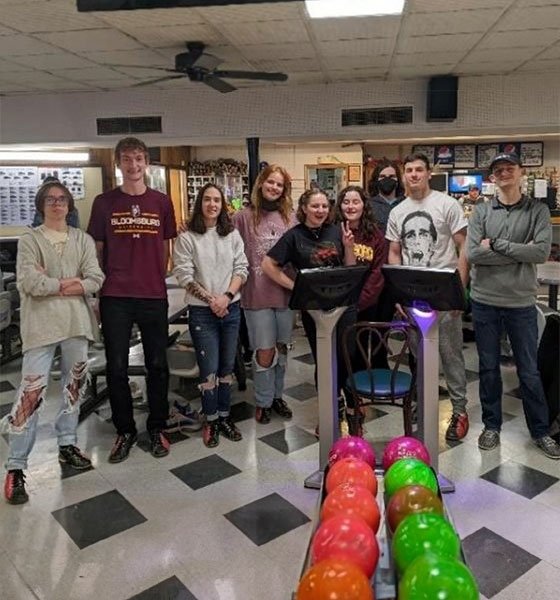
381	210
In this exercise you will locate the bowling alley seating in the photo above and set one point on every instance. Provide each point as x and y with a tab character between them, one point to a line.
370	385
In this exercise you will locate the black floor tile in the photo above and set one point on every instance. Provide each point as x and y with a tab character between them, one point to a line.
170	589
266	519
520	479
289	440
67	471
305	358
98	518
206	471
174	437
371	413
495	561
241	411
302	391
6	386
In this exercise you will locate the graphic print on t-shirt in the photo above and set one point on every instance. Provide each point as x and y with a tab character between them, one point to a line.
418	238
135	222
324	254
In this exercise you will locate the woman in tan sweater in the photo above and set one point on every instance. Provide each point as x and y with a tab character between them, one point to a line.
56	268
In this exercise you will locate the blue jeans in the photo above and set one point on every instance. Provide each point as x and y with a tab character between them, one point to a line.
520	325
215	343
35	369
269	328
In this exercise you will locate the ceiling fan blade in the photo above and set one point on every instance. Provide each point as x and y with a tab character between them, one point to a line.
167	78
263	76
218	84
143	67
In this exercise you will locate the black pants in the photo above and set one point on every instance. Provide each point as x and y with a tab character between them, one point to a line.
348	318
118	315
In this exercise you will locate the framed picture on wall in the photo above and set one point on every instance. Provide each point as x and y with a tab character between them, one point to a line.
354	172
510	148
429	151
465	156
531	154
485	153
444	155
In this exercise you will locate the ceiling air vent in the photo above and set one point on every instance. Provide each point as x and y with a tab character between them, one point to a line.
128	125
387	115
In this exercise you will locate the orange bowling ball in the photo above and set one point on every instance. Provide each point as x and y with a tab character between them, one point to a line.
350	499
351	470
336	580
409	500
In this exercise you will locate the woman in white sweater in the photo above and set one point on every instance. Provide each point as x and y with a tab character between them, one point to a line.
56	267
210	263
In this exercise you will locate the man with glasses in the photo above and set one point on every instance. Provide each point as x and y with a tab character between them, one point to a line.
132	226
507	238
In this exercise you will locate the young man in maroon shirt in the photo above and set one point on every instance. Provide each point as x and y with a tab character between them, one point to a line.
132	226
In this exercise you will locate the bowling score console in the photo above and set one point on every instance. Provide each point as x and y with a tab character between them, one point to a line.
424	292
325	293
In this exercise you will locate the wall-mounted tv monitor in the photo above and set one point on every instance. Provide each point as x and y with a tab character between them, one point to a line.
438	181
461	183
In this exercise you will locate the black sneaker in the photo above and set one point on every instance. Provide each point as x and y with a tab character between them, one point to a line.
228	429
280	407
211	433
14	487
121	449
262	415
159	444
71	455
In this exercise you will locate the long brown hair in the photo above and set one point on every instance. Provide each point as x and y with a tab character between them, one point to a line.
224	226
285	201
367	224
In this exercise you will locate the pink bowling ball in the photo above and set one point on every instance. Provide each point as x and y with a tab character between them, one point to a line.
352	447
404	447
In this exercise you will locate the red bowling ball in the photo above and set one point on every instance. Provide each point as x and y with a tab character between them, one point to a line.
352	447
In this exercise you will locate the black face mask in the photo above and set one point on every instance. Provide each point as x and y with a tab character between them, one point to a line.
270	205
387	185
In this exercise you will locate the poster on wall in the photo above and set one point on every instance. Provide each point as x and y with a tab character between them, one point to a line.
444	155
485	154
531	154
510	148
18	186
71	177
465	156
429	151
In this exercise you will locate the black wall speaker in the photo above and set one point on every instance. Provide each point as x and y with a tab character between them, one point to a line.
442	98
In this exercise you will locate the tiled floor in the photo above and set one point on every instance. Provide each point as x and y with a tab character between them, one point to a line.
232	522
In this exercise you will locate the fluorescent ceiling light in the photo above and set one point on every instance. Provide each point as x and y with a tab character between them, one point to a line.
54	157
322	9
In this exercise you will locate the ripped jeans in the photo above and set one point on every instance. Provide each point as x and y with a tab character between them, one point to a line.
35	370
215	343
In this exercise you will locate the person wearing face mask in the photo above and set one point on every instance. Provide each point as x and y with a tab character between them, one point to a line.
265	302
385	190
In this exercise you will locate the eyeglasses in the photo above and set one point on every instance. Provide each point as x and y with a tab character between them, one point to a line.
52	200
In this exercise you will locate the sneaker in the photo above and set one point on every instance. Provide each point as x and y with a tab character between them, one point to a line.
71	455
262	415
159	444
548	446
489	439
183	418
228	429
280	407
211	433
458	427
14	487
122	446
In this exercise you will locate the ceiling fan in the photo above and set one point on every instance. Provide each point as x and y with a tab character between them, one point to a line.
200	66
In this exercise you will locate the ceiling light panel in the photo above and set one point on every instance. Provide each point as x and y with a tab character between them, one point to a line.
319	9
347	29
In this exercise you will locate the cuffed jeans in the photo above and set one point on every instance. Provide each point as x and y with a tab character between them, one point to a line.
35	369
215	343
520	325
117	318
269	328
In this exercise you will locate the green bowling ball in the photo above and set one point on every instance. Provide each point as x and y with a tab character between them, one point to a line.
433	577
409	471
423	533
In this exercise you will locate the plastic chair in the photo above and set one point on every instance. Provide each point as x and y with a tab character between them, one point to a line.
369	385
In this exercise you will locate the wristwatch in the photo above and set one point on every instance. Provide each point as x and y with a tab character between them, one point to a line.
229	295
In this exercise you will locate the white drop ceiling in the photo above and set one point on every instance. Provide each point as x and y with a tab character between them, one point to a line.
46	45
